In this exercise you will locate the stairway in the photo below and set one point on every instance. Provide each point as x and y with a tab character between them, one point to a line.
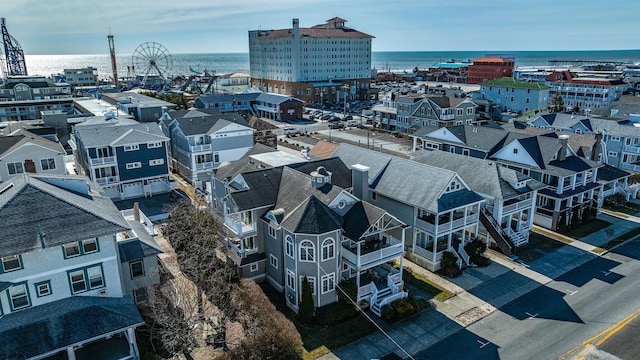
496	232
376	307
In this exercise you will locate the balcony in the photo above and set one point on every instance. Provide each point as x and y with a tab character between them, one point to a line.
204	166
520	205
109	160
108	180
632	149
200	148
632	167
448	225
366	253
238	227
447	117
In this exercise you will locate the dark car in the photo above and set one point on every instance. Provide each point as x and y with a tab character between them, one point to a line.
325	117
336	125
334	119
348	117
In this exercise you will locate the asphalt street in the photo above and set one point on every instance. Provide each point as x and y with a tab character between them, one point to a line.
555	318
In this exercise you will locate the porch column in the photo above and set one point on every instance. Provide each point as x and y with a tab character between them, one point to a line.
133	347
434	247
71	355
464	229
415	142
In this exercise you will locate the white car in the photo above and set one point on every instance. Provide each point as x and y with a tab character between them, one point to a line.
290	130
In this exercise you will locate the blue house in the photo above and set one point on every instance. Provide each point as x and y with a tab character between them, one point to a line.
127	158
509	94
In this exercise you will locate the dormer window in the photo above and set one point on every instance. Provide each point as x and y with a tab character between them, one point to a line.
453	186
515	151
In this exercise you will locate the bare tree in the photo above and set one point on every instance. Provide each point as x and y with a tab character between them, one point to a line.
270	335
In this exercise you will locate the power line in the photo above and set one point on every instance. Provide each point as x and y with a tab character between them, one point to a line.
369	318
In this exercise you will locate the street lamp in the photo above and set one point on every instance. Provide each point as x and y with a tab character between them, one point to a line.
346	90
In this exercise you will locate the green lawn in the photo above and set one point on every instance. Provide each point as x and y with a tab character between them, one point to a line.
538	245
629	208
423	284
588	228
320	341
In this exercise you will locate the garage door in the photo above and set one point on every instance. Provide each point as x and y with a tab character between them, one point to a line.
132	190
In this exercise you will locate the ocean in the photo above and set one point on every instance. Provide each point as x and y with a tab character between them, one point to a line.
224	63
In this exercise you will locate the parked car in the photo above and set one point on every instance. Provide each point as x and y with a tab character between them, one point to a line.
334	119
325	117
336	125
290	130
352	123
348	117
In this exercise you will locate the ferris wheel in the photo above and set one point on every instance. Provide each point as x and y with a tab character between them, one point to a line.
151	59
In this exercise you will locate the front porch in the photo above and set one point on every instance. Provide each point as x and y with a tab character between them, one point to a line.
427	250
379	286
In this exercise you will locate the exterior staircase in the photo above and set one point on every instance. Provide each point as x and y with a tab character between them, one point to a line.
376	306
496	232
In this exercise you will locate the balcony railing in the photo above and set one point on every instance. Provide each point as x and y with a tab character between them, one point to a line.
447	225
524	204
107	180
393	248
103	160
632	167
204	166
238	227
200	148
423	253
447	117
632	149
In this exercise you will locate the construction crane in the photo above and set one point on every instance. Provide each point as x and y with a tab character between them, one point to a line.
14	64
112	51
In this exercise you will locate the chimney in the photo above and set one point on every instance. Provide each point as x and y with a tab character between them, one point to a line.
564	140
296	28
360	181
597	147
136	211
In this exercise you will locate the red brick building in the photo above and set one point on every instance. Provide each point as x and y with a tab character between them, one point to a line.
484	69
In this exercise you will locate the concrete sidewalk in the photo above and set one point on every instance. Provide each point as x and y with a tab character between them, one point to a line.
567	240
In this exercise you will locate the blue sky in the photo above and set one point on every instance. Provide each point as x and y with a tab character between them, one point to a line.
200	26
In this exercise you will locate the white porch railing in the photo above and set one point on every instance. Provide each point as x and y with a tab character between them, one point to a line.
463	254
632	149
103	160
107	180
144	220
200	148
524	204
518	238
205	165
423	253
394	248
365	291
238	227
425	225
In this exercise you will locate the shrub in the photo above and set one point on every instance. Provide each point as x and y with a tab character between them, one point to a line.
388	313
418	304
476	249
402	308
449	264
350	289
335	313
306	303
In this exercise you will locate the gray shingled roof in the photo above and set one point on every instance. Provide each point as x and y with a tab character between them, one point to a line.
20	137
275	98
312	217
59	324
340	173
609	173
230	170
482	138
263	189
29	206
483	176
351	155
359	218
203	121
116	134
414	183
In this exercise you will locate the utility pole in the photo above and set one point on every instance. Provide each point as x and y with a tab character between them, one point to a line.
112	51
346	91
